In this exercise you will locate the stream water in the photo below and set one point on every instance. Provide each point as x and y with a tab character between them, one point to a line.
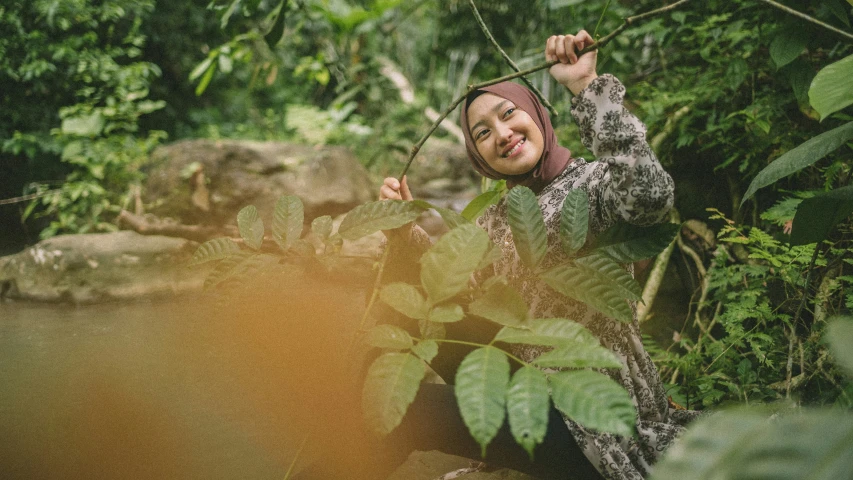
187	388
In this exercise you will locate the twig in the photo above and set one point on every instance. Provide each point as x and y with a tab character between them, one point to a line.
32	196
807	18
595	46
789	366
512	64
806	286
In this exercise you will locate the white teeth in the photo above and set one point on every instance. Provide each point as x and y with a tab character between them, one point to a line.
515	148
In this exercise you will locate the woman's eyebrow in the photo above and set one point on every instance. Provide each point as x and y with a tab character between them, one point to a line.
496	110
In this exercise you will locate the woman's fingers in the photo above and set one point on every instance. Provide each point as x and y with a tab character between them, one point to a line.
390	189
565	48
551	48
405	193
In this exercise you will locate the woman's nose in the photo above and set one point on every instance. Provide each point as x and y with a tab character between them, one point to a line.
504	132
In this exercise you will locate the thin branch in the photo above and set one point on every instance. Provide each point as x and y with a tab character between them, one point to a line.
32	196
807	18
595	46
512	64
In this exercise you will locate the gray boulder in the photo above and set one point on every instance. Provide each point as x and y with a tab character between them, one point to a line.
208	182
100	267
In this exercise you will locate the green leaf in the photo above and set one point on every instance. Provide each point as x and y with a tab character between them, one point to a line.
447	266
480	203
391	385
839	334
800	157
447	313
321	226
594	400
831	88
547	331
215	249
388	336
276	31
226	16
527	407
86	125
574	221
745	444
375	216
451	218
239	267
287	220
201	68
251	227
580	355
493	254
818	215
205	80
597	281
628	243
406	299
527	225
431	330
481	383
788	45
426	350
501	304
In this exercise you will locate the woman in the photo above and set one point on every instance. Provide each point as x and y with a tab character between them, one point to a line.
509	136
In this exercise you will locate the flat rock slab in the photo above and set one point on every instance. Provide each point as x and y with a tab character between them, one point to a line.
433	465
101	267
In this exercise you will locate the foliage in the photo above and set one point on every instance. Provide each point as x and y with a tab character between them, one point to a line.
79	90
485	391
812	443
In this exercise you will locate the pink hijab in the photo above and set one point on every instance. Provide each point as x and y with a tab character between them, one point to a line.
554	159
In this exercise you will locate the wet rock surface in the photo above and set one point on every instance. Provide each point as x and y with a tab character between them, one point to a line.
100	267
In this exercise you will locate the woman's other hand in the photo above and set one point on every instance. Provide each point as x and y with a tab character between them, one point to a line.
393	189
574	72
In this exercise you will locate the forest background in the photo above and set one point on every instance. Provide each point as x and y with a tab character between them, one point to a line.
90	88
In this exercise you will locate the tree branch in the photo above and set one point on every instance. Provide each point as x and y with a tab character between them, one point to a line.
599	44
512	64
807	18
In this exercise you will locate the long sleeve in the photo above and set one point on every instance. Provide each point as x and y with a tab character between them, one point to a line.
628	184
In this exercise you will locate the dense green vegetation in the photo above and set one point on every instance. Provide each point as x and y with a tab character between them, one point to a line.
727	88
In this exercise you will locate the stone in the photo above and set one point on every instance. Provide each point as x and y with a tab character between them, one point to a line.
433	464
208	182
101	267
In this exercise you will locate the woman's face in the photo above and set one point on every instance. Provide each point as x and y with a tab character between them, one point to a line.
506	136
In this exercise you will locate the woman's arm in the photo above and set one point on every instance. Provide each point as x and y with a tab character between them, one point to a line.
628	183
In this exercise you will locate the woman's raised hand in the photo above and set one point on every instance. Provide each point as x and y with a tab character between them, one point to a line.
574	72
393	189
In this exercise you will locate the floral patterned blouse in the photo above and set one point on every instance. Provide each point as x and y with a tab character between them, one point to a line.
626	184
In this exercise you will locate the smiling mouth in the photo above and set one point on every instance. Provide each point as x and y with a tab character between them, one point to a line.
512	151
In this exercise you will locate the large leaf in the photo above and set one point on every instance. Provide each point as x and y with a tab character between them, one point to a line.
321	227
840	337
607	270
251	227
375	216
527	225
404	298
547	331
426	350
451	218
527	407
431	330
276	31
832	88
580	355
388	336
481	383
240	267
447	266
287	220
574	221
596	290
788	45
818	215
809	444
446	313
215	249
501	304
594	400
628	243
801	157
390	387
481	202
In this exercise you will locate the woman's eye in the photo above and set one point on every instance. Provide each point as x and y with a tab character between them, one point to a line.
509	112
482	133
